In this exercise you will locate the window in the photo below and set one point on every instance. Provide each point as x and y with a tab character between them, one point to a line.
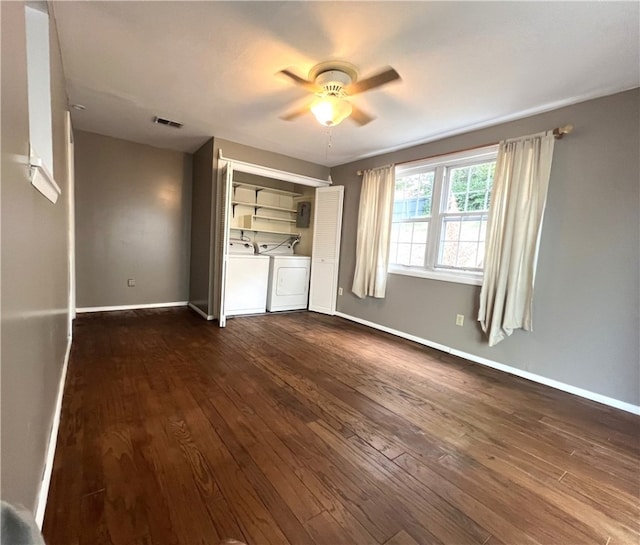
440	213
39	100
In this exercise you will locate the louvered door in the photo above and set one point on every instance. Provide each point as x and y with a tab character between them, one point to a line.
325	256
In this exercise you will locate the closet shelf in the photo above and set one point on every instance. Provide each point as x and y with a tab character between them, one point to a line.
271	218
265	206
264	231
266	189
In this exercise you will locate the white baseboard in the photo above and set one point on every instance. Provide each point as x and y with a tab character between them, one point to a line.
53	440
593	396
131	307
199	311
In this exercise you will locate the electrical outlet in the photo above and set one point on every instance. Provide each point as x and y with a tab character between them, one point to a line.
460	319
131	283
339	291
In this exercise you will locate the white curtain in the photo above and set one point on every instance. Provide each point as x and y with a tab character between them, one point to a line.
374	231
513	234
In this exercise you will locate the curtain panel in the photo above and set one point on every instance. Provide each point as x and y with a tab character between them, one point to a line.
517	206
374	232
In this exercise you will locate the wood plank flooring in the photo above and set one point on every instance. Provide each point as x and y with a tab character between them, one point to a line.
300	429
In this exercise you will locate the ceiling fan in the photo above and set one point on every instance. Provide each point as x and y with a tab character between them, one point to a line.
333	82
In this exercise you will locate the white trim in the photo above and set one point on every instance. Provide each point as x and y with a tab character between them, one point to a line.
395	332
268	172
71	228
42	179
131	307
445	276
580	392
199	311
53	440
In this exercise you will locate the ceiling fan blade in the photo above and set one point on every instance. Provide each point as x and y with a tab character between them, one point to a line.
301	81
381	78
293	114
359	116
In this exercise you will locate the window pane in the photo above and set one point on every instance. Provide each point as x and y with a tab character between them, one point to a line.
470	230
395	232
404	254
406	232
448	254
451	229
467	255
480	259
420	231
417	255
393	252
462	255
412	197
470	187
408	243
462	242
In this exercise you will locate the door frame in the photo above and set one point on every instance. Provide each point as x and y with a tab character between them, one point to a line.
71	219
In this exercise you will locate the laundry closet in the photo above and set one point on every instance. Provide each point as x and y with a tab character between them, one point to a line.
274	250
269	248
269	238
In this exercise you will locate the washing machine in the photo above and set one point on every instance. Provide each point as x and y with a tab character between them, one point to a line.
288	287
246	280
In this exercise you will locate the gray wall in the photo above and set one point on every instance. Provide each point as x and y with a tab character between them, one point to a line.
202	202
35	272
133	217
586	306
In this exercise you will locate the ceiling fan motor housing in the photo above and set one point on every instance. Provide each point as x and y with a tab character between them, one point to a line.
333	82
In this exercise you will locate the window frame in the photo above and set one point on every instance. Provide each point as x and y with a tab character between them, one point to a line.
38	60
441	166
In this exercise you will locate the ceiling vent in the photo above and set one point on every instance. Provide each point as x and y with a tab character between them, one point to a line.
168	122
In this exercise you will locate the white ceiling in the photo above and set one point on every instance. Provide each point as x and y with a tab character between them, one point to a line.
213	66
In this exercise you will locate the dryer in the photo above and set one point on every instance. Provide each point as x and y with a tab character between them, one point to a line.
289	276
288	287
288	282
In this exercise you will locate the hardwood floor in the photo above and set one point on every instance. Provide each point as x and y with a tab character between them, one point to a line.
307	429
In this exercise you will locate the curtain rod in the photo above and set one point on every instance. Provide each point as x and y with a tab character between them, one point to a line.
558	132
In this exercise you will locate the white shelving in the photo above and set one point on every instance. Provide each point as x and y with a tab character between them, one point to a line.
262	209
269	218
266	189
266	231
265	206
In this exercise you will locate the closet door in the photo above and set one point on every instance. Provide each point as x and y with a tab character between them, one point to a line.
222	250
325	255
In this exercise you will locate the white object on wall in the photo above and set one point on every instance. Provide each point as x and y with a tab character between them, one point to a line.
42	179
39	84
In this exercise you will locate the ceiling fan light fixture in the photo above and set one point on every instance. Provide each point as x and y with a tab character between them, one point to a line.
331	110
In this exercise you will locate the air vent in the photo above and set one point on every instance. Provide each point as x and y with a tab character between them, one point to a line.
168	122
